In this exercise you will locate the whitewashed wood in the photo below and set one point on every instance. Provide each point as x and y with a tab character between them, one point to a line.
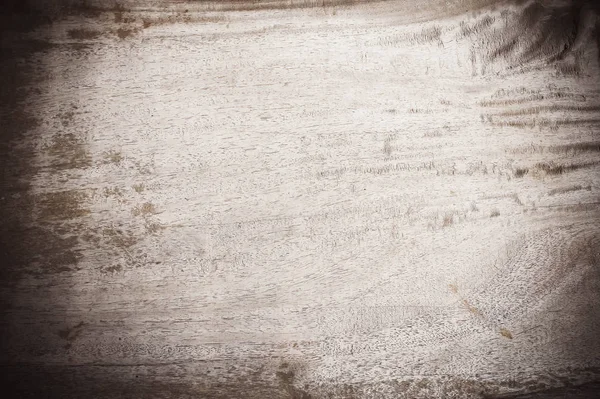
306	202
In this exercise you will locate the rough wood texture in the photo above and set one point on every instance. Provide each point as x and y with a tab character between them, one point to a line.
300	199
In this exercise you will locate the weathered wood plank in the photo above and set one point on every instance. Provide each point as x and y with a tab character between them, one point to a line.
296	200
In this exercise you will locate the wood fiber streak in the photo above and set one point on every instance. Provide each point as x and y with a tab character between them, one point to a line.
300	199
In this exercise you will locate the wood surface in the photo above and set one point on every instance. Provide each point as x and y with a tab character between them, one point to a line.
300	199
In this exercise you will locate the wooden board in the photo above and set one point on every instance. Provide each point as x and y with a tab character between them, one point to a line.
300	199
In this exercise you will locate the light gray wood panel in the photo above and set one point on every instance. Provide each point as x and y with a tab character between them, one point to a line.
288	199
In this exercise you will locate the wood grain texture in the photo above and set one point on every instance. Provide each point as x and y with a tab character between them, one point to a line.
300	199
